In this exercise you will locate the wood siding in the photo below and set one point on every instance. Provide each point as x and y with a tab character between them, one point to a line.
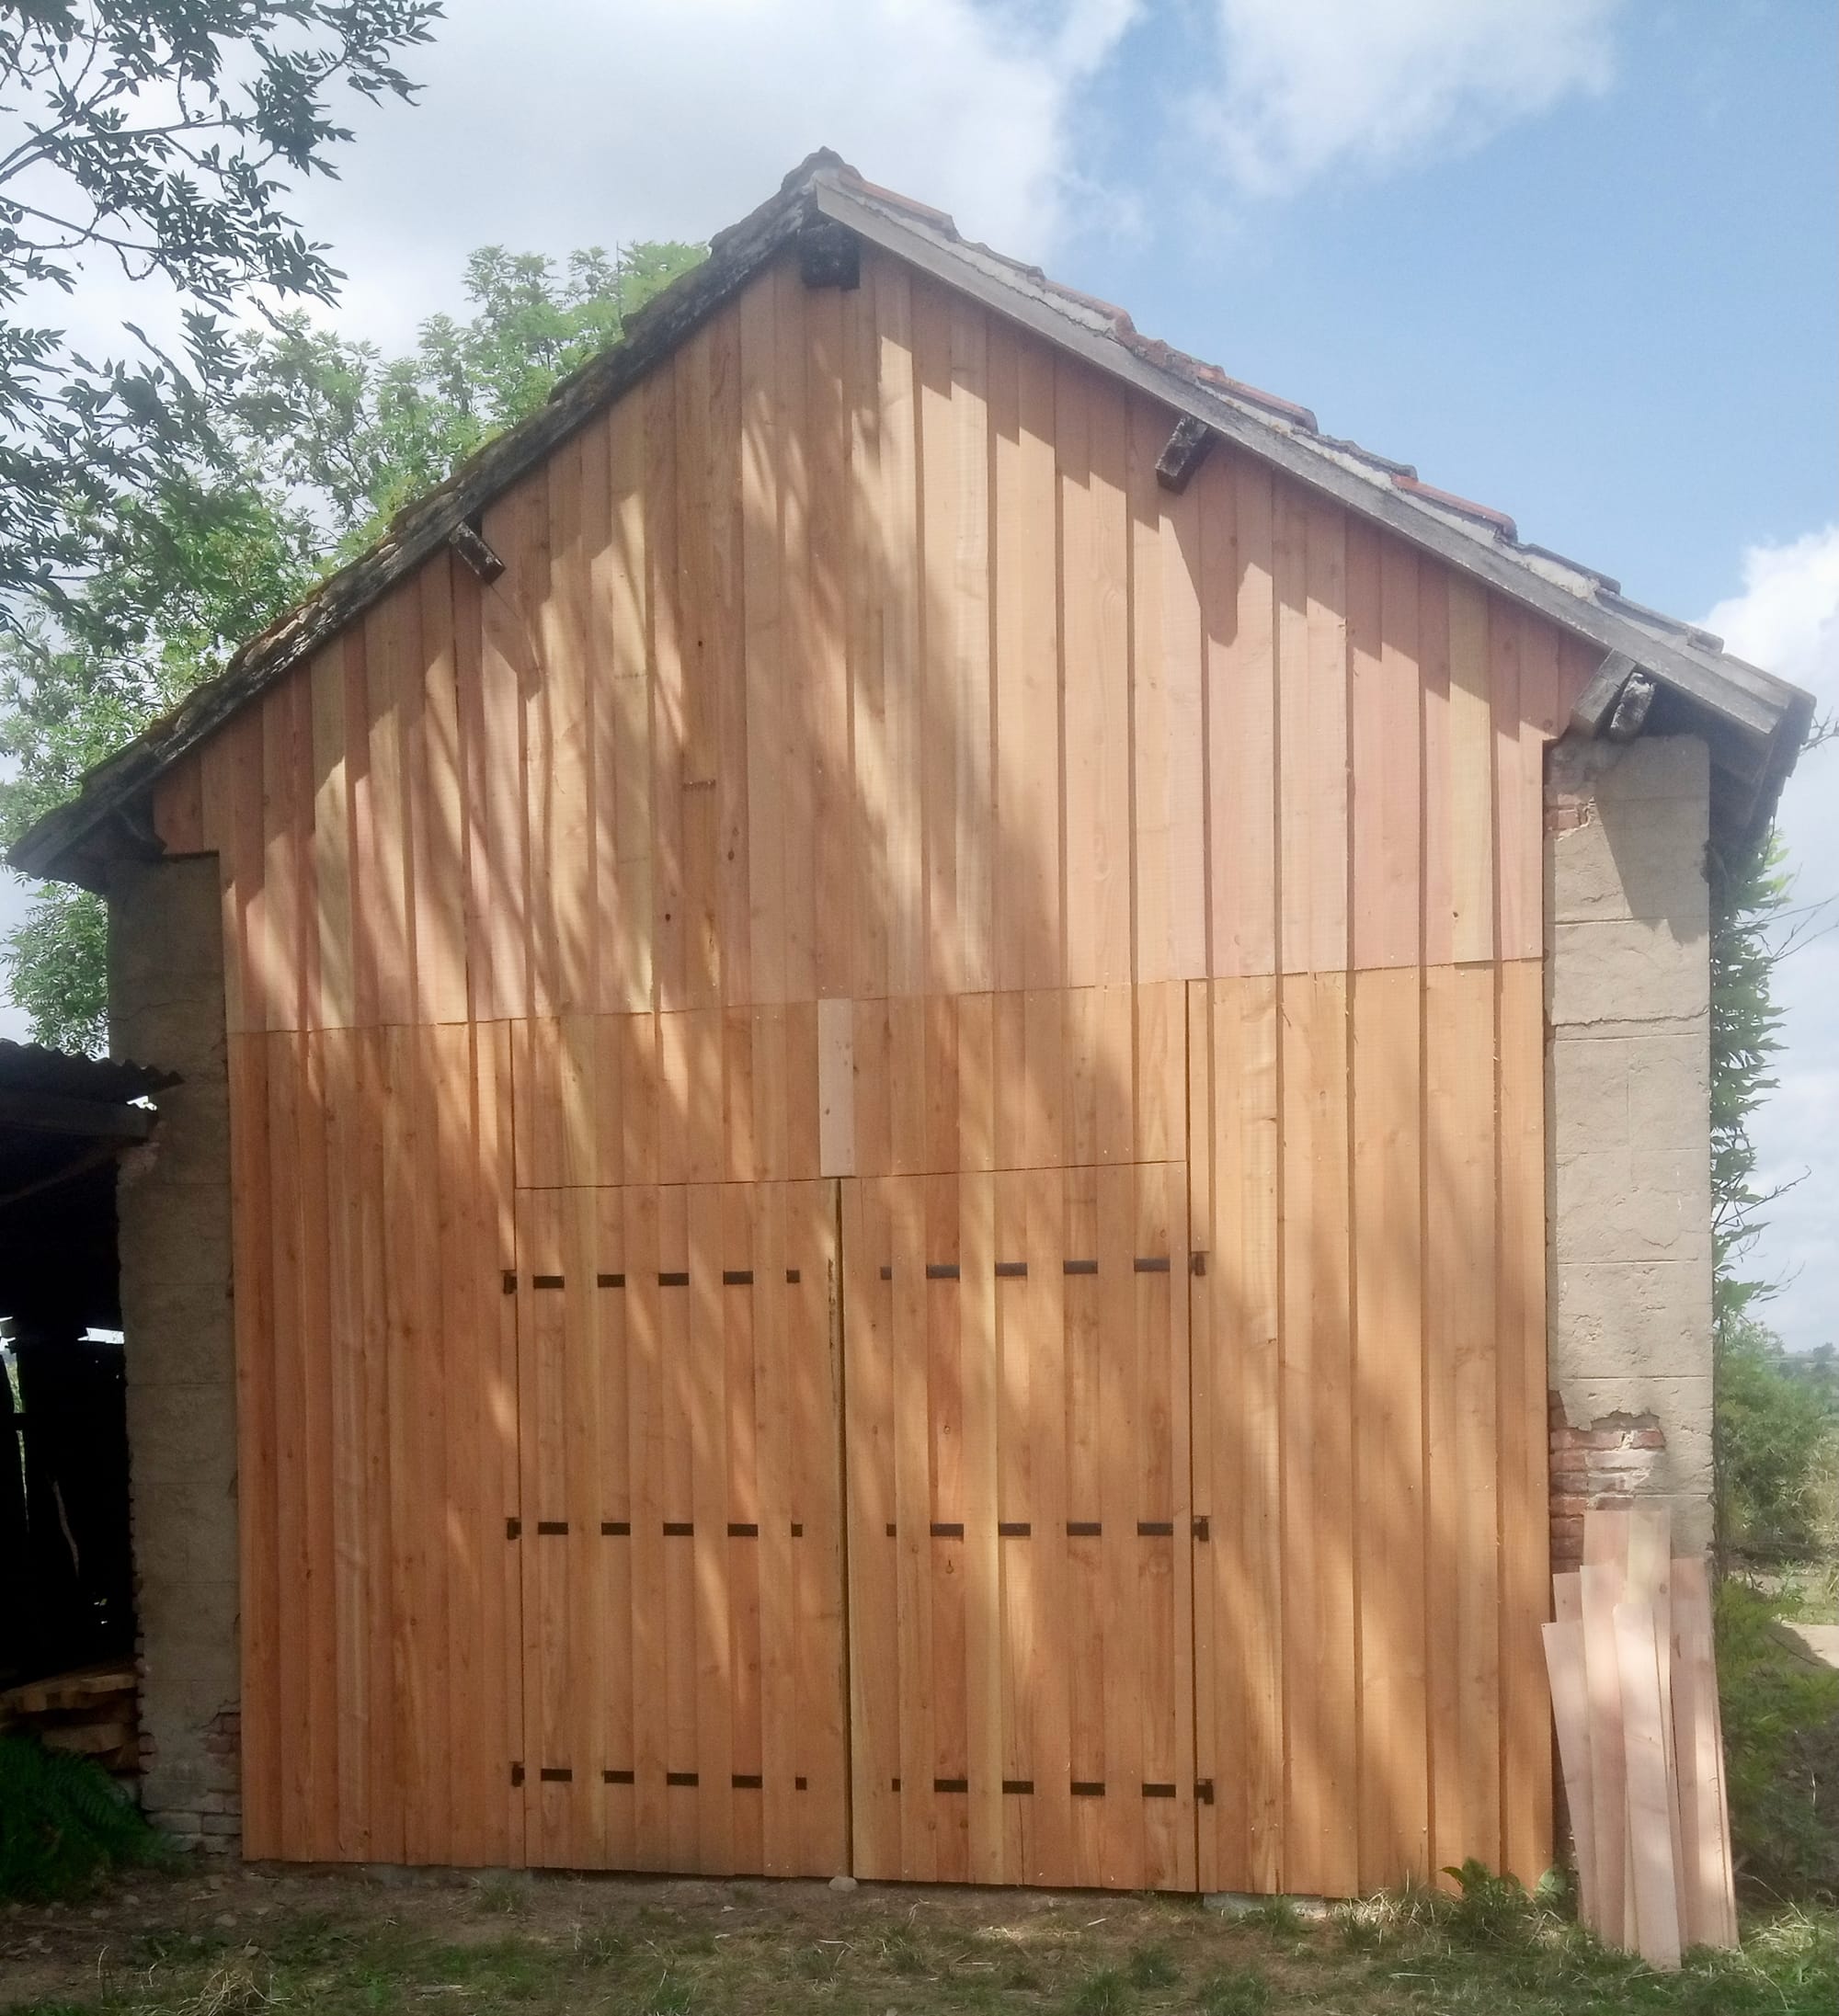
864	769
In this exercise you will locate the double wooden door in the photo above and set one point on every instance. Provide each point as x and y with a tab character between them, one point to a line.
856	1527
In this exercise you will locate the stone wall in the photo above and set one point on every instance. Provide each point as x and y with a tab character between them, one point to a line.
166	994
1627	985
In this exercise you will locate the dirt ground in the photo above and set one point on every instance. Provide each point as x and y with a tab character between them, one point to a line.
191	1944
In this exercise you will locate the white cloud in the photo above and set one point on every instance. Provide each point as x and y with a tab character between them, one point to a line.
550	124
1787	619
556	124
1312	85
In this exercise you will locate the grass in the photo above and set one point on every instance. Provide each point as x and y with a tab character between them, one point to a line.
168	1945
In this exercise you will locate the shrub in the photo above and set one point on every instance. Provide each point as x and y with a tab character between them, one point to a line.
1781	1745
64	1821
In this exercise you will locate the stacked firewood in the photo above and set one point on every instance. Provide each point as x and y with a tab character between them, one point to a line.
1635	1696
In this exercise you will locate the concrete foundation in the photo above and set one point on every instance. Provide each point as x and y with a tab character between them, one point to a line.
166	992
1628	983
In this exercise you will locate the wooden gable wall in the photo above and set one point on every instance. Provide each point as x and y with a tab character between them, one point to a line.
863	768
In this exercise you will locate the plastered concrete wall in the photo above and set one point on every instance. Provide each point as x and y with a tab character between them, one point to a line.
1629	1009
166	999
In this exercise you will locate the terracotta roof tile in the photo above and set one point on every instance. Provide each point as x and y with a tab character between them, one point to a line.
1486	513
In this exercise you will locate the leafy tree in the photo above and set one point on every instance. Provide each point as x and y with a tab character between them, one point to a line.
1773	1429
1776	1429
320	441
1745	1040
162	135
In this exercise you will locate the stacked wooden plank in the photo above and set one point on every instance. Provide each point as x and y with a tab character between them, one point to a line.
90	1711
1634	1696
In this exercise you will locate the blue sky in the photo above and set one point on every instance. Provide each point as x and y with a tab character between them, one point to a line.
1576	258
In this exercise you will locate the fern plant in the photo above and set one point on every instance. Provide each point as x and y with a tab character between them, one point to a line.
64	1822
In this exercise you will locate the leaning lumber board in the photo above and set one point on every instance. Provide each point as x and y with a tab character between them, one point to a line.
1571	1711
1708	1891
1650	1830
1568	1598
1651	1581
1601	1587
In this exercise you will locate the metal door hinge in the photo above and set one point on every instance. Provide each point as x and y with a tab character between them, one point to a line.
1203	1528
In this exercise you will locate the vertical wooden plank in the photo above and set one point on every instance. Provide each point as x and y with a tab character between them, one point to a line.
897	531
794	730
724	653
956	741
1169	727
1242	581
1247	1480
711	1674
982	1419
905	1250
703	595
1388	1425
828	561
265	1802
331	835
1386	705
1318	1522
1651	1833
1606	1542
432	770
1470	791
1518	749
1038	1313
624	723
1525	1484
561	796
1091	436
867	827
501	868
868	1387
379	1163
1571	1711
668	707
763	593
1710	1899
320	1583
1463	1497
1439	871
1029	894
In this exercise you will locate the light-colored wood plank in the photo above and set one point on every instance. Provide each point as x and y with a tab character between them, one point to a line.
1651	1831
1028	885
1468	796
1570	1710
1389	1461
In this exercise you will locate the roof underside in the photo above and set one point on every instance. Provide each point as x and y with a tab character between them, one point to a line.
1753	722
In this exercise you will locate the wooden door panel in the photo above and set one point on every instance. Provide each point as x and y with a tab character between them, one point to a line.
681	1530
1020	1529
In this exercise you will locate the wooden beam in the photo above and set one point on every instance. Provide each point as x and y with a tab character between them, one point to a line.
829	255
1186	451
1597	701
51	1113
469	544
1631	708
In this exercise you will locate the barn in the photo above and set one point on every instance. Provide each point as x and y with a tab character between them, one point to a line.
943	1093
